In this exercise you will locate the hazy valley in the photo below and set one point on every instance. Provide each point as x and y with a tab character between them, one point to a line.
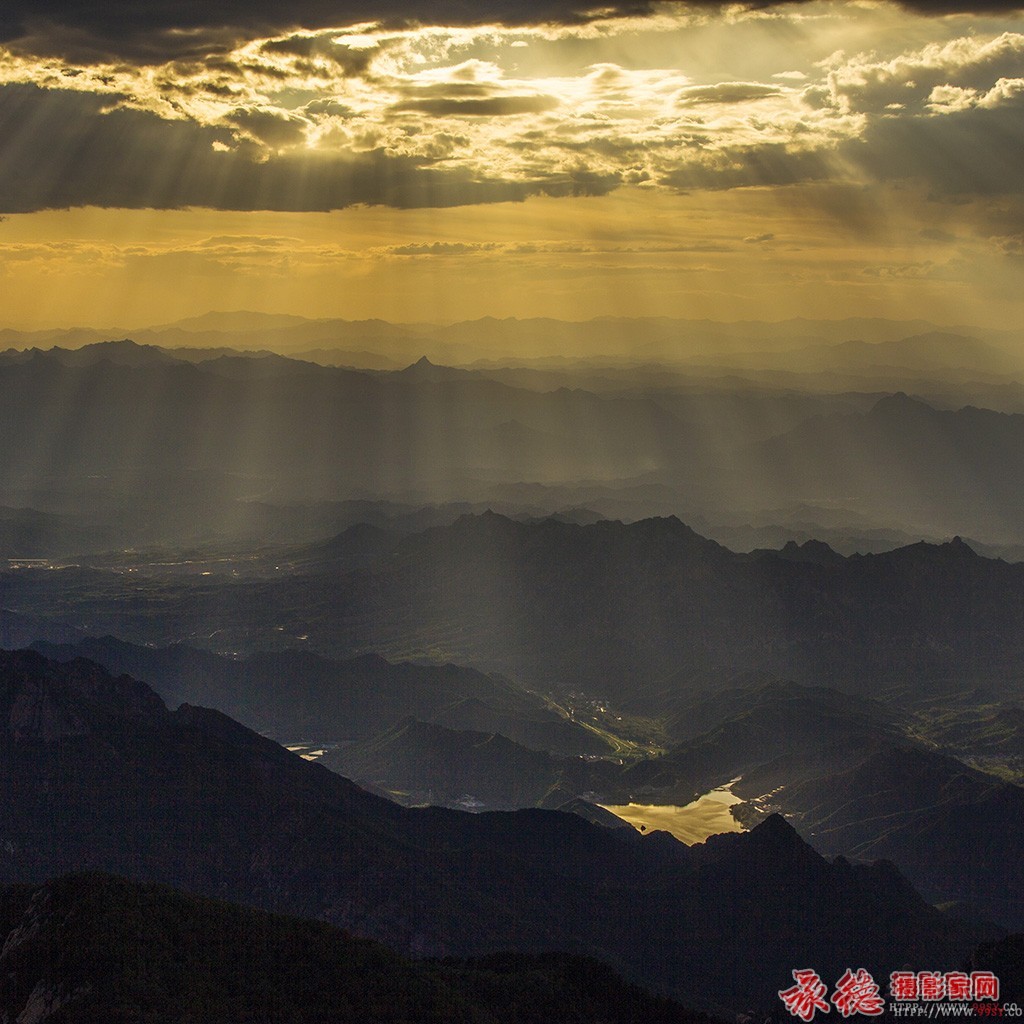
503	597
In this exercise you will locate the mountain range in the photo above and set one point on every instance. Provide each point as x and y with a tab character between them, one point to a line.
849	773
294	695
663	337
175	447
98	775
613	610
851	776
954	830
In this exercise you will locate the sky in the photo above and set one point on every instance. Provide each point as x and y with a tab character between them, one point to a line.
431	162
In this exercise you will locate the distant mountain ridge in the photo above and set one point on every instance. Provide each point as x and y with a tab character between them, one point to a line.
429	764
919	354
951	464
144	420
613	609
603	336
223	428
616	604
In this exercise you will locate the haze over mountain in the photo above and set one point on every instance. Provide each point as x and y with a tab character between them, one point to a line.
162	450
868	343
616	610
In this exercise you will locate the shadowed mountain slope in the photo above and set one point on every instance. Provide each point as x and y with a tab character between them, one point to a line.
609	606
95	773
94	947
955	831
423	763
611	609
294	696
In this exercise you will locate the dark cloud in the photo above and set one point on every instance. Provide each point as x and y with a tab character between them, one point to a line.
974	152
961	6
447	90
329	108
928	7
493	106
726	92
1012	246
160	29
770	164
350	61
61	151
270	127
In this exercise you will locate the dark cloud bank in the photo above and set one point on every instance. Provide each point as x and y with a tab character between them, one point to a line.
61	151
159	29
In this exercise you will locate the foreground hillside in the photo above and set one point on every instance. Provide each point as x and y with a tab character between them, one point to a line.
98	948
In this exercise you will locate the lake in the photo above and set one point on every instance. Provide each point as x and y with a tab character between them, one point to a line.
706	816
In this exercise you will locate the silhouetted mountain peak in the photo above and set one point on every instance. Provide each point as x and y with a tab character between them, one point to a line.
772	842
777	839
777	828
487	524
814	551
41	701
666	529
901	405
959	550
425	371
123	352
216	725
598	816
956	550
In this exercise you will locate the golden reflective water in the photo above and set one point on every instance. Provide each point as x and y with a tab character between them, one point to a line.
706	816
